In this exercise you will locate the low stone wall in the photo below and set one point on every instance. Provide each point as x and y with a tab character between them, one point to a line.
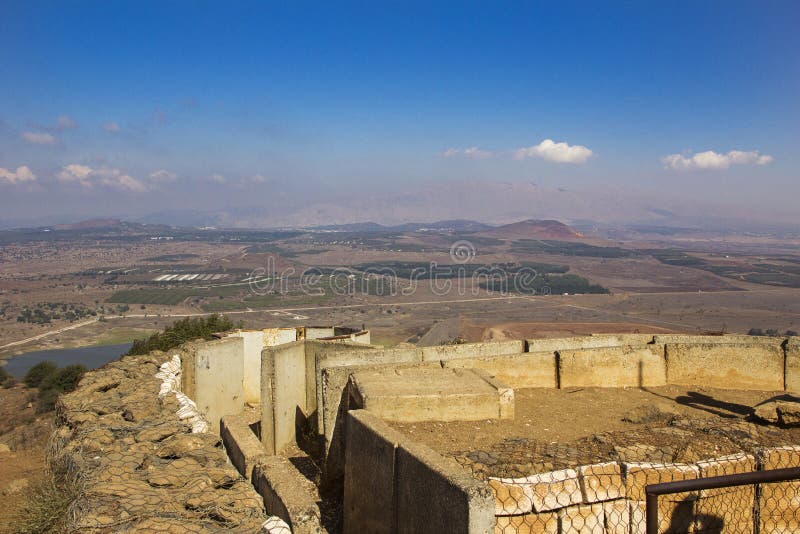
125	437
610	498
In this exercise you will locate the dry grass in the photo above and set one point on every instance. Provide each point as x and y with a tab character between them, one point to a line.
46	505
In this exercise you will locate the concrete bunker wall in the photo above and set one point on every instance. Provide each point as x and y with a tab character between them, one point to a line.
394	484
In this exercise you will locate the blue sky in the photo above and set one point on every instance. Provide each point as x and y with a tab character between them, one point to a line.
136	106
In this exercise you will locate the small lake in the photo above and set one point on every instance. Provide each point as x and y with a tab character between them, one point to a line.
90	357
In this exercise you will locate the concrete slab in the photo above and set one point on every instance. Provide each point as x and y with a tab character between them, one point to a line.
612	367
430	394
756	366
524	370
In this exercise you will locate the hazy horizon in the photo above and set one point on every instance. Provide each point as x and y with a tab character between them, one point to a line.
302	114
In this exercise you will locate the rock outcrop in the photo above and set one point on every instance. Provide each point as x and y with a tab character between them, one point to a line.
127	441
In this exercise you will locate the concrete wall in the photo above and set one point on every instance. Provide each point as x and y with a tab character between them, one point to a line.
757	366
525	370
219	378
724	339
283	397
253	344
587	342
471	350
288	494
613	367
242	445
279	336
393	484
792	351
316	332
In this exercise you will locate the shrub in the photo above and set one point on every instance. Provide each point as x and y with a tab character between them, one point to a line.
6	380
61	381
180	332
38	373
45	506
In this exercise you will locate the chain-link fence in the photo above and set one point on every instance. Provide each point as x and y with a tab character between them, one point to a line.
731	494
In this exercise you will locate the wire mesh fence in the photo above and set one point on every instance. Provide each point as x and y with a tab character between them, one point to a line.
612	497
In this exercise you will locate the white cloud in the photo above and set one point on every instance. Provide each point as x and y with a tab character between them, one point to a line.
65	122
111	126
258	179
104	176
710	160
469	153
22	175
218	178
162	175
549	150
37	138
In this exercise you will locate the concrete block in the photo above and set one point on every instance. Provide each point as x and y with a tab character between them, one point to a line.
253	341
727	339
675	511
188	354
434	494
418	394
582	519
588	342
757	366
335	404
288	494
546	523
615	340
369	474
601	482
611	367
472	350
509	498
219	373
283	379
617	516
779	503
243	447
792	352
524	370
638	475
322	355
726	510
549	491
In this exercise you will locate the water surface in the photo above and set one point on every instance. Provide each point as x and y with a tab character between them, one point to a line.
90	357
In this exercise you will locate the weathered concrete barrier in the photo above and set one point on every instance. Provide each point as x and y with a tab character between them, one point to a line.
288	494
524	370
243	447
417	489
792	352
587	342
624	366
756	366
472	350
432	394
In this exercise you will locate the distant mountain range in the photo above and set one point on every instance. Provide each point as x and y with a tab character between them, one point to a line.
458	225
533	229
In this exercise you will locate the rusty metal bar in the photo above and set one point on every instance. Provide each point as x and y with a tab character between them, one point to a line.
680	486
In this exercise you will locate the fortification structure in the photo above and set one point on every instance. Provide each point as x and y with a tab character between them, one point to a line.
311	422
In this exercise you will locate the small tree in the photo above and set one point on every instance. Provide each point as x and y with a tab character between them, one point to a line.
38	373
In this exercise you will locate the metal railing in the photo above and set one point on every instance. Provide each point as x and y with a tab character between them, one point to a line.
654	491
